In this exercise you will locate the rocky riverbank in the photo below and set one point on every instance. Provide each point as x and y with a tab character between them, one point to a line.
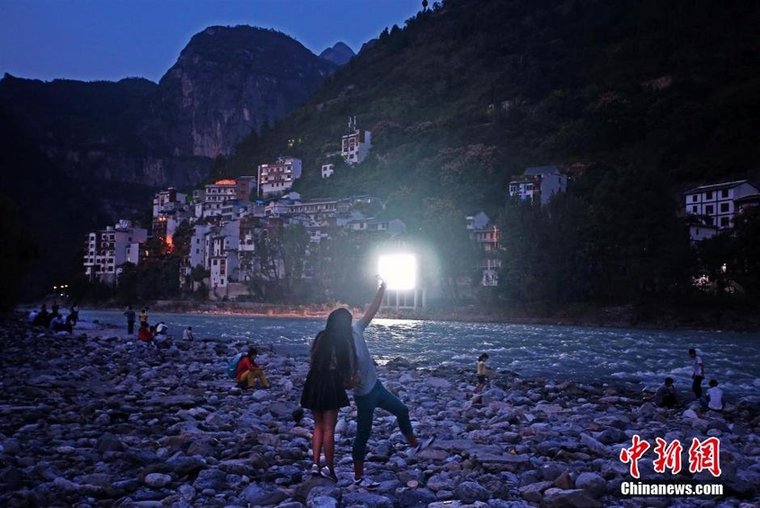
100	420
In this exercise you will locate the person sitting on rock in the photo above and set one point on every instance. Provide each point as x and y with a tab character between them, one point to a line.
188	333
248	372
161	328
58	324
713	399
666	395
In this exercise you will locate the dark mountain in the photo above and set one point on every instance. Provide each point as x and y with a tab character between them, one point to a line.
227	83
339	54
55	210
473	91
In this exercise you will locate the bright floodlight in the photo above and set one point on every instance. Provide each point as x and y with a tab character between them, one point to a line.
399	271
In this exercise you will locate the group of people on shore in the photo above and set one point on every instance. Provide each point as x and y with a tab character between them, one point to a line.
151	335
54	319
667	396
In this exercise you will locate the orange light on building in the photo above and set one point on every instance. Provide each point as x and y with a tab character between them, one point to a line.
225	182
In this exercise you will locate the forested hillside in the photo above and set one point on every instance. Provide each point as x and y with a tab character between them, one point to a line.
635	100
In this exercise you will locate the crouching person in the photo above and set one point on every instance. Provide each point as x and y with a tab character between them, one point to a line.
248	372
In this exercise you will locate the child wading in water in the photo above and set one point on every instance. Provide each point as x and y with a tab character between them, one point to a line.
482	372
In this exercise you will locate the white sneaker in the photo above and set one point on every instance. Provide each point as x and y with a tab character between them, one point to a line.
366	483
315	469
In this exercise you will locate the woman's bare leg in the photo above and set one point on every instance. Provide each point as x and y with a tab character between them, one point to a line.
329	420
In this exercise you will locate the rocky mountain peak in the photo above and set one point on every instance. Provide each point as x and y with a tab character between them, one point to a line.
339	54
227	83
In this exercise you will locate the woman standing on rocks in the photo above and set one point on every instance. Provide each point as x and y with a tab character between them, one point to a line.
370	394
333	361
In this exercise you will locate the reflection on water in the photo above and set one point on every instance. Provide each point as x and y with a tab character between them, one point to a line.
558	352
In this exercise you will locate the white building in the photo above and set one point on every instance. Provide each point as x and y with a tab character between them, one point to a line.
487	237
222	255
215	196
355	146
107	250
278	177
538	184
167	201
713	207
328	170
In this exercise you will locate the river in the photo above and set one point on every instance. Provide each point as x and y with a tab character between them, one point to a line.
640	356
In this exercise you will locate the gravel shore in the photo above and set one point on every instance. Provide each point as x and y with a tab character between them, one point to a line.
97	419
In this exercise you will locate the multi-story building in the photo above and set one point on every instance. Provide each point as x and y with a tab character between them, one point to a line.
278	177
167	201
215	196
328	170
487	237
355	146
223	254
712	208
538	184
107	250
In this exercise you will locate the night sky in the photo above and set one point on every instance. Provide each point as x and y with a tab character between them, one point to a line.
113	39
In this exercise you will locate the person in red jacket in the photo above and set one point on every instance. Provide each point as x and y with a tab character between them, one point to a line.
248	371
144	334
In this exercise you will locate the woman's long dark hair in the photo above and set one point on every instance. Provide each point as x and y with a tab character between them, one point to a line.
337	338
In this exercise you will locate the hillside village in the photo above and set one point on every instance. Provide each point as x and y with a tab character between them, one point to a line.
236	225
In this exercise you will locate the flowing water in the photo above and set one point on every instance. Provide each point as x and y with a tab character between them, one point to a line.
639	356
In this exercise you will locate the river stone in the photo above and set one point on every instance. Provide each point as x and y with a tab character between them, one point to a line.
322	502
534	491
591	482
563	481
210	479
414	498
611	436
109	443
255	494
187	492
182	465
573	498
157	480
437	382
367	499
469	492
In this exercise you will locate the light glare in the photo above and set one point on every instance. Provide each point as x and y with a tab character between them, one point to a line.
399	271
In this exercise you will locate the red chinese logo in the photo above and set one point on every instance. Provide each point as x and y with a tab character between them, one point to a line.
703	455
633	454
668	456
